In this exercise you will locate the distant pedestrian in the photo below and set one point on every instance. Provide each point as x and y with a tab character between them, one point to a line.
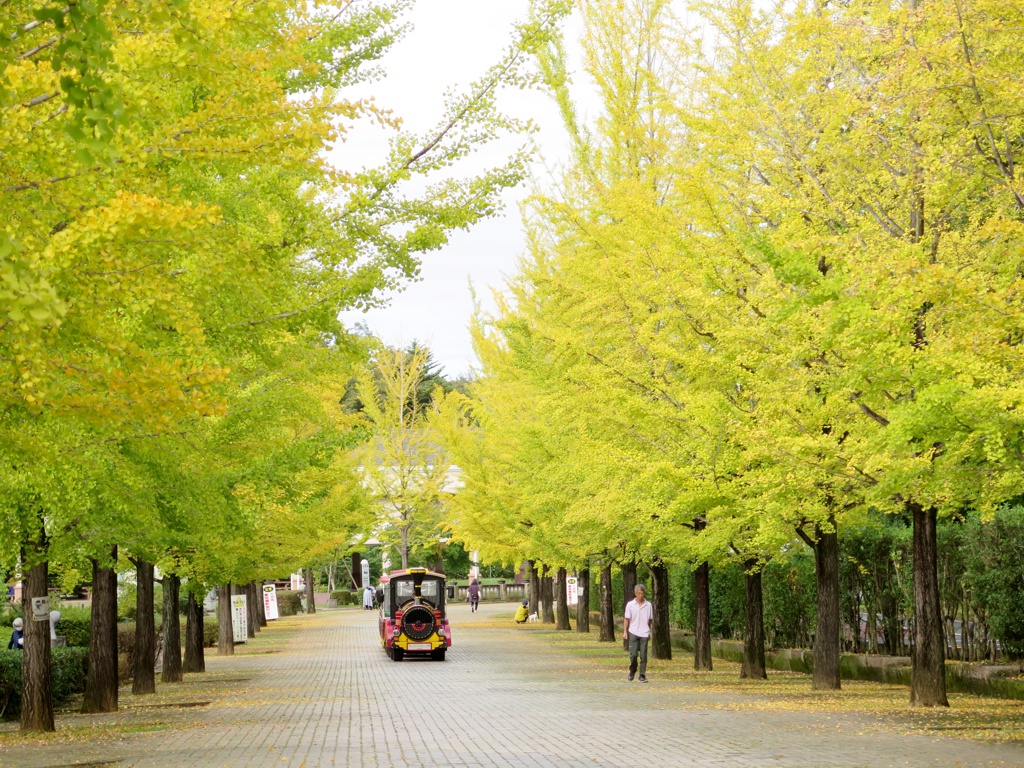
523	613
17	641
379	596
474	595
636	626
368	595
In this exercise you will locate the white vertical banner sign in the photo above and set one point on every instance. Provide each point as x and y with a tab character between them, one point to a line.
270	601
572	595
365	572
239	618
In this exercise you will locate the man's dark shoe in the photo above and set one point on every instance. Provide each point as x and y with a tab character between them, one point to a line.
632	675
643	678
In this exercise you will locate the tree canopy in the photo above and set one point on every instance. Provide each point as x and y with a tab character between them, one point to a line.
774	288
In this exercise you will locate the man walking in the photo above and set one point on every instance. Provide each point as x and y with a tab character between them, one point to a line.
636	625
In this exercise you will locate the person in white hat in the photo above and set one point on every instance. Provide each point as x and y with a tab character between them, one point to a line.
17	641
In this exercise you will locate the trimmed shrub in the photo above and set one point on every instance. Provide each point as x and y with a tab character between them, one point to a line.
69	671
211	632
9	612
76	630
126	649
70	666
343	596
289	602
10	682
126	602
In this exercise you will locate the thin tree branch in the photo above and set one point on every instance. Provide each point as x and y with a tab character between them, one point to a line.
33	51
867	411
40	100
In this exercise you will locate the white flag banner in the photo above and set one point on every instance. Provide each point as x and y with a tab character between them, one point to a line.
239	618
270	601
572	595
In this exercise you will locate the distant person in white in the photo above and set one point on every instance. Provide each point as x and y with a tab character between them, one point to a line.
368	595
636	625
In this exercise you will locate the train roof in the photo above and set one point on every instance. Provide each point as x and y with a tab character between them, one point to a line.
412	572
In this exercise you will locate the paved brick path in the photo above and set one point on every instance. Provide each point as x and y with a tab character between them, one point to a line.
503	698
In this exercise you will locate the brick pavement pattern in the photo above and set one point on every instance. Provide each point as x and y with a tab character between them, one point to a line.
332	697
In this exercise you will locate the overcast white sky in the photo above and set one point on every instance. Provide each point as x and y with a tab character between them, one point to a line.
452	43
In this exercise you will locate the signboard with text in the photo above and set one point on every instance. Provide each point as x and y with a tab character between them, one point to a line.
40	609
365	568
270	601
239	618
572	595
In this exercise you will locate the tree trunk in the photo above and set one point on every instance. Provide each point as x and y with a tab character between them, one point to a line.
310	596
534	588
855	592
253	599
583	606
753	644
702	618
226	633
546	598
827	636
872	624
261	608
661	638
702	609
172	672
628	582
144	674
966	633
37	673
101	678
562	601
405	549
891	625
607	609
357	570
928	667
195	651
628	587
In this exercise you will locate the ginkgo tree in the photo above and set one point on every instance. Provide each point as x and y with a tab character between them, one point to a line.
404	466
775	279
169	219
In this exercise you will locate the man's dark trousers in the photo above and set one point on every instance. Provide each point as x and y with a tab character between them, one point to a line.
638	647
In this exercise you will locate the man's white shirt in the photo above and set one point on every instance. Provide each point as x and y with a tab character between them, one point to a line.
639	618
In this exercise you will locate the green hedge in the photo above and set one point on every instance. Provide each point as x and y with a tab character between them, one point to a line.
346	597
211	632
126	648
76	630
69	672
289	602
